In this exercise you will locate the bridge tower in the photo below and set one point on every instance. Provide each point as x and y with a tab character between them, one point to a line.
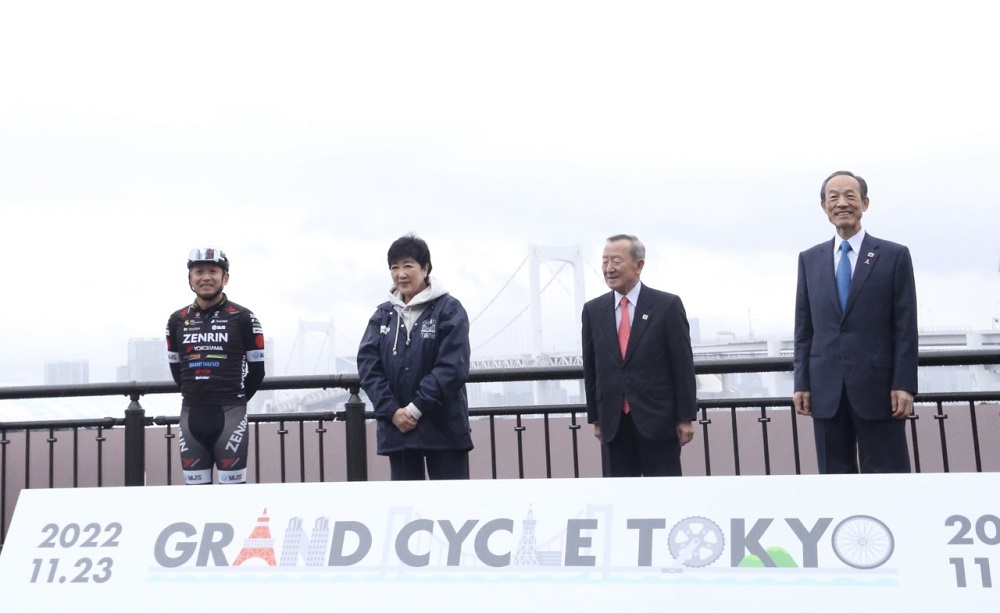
546	392
307	366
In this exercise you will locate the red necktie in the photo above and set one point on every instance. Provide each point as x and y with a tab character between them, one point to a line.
624	328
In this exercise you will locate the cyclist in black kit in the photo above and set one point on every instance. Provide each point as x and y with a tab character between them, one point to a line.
216	352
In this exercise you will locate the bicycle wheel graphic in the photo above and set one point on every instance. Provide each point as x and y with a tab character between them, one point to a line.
861	541
696	541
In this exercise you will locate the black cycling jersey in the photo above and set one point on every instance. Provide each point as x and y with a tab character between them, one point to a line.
216	355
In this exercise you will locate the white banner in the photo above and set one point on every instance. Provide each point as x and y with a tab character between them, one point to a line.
822	543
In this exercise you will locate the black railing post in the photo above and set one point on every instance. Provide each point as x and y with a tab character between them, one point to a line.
135	442
357	437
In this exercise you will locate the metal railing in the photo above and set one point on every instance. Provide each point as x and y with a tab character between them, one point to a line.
737	436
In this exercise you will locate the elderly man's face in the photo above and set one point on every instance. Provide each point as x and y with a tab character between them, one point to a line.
843	204
621	271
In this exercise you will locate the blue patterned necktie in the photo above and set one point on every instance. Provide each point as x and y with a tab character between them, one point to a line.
844	274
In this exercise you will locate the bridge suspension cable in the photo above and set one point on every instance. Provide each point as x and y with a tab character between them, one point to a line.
492	300
519	313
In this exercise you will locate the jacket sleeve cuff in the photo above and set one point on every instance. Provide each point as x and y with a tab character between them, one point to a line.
414	411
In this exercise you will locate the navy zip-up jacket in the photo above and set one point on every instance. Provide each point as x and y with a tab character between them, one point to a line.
427	366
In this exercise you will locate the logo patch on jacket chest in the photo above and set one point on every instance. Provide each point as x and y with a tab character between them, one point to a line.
428	329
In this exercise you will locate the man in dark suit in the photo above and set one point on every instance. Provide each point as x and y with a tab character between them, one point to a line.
638	369
855	339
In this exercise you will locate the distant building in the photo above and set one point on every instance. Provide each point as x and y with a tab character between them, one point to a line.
147	361
67	372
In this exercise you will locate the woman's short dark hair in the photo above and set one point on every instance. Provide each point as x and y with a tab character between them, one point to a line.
410	246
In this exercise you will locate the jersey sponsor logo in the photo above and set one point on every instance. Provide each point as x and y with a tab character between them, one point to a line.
230	309
173	357
217	356
236	438
204	364
192	356
218	327
258	341
257	331
206	337
255	356
219	320
206	348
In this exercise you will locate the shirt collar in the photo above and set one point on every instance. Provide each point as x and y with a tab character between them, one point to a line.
633	295
855	242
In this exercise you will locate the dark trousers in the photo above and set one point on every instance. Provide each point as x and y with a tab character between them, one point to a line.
841	441
409	464
631	455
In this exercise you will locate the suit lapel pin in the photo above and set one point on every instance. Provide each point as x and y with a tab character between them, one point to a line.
868	262
645	316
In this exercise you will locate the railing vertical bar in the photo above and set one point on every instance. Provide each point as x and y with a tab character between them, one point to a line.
704	421
76	457
795	441
320	431
520	447
736	439
975	436
256	452
493	444
100	455
574	430
302	452
764	420
548	448
281	447
940	417
168	436
27	459
51	441
916	443
3	486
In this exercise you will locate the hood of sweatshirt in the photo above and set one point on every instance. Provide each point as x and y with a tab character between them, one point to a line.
410	311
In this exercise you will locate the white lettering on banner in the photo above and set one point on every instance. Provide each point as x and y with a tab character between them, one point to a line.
827	543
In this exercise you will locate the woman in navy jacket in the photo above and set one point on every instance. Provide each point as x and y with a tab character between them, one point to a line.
413	362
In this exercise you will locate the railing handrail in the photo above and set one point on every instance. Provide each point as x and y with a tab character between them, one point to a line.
351	382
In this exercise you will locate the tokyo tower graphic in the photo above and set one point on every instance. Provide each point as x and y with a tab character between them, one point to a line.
259	544
527	548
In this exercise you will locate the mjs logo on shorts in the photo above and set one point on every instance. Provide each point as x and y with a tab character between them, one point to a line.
592	541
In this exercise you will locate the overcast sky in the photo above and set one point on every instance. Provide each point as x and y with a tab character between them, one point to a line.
302	138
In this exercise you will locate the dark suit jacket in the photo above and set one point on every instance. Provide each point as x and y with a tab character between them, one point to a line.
870	347
657	373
